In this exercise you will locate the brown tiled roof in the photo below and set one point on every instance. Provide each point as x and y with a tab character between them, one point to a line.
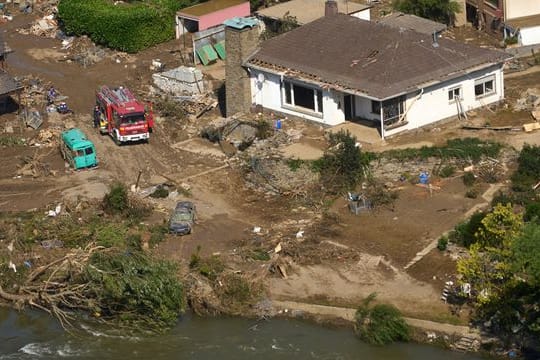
375	59
8	84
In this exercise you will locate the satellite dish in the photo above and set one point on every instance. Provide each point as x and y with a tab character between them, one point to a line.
260	78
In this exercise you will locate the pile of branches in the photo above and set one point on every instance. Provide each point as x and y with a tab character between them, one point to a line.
56	287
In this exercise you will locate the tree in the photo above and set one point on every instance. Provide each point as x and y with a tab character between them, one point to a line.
499	227
281	26
381	324
438	10
343	165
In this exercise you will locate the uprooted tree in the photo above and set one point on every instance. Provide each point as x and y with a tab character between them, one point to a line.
94	265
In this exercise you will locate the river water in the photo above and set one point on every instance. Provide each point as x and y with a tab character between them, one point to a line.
34	335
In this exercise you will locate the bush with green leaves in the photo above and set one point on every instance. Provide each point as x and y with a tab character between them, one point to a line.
438	10
343	165
464	233
135	288
447	171
470	149
380	324
469	179
528	171
128	26
116	200
442	243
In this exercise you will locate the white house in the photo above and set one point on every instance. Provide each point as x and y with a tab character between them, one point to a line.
340	68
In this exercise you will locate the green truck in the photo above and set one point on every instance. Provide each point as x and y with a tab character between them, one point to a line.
77	150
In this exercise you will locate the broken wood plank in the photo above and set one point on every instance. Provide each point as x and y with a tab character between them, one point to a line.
531	126
495	128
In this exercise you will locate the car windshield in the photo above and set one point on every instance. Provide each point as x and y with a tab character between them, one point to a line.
132	119
181	216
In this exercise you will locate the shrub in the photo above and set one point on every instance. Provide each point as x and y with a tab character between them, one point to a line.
116	200
464	233
447	171
467	148
472	193
237	291
160	192
111	235
157	234
128	27
469	179
442	243
502	198
135	288
528	171
381	324
343	165
532	212
209	267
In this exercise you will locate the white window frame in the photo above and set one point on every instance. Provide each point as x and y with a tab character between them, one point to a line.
455	95
293	106
482	82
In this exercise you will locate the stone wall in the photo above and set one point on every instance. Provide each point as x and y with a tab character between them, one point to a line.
239	44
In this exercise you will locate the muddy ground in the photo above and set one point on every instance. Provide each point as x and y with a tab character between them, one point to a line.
350	255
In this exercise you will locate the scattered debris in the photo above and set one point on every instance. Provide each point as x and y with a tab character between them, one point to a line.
257	229
57	210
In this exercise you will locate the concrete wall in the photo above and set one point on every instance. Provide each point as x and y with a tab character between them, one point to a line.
521	8
363	14
269	95
433	105
218	17
529	36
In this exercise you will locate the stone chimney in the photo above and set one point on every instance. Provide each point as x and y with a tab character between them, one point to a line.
241	39
330	8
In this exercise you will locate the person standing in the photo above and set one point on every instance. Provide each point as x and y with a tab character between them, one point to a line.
97	116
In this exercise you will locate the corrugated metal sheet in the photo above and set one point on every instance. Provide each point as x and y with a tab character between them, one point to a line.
220	49
207	54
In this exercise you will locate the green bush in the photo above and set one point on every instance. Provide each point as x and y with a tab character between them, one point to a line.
463	233
442	243
528	172
381	324
157	234
467	148
472	193
532	212
469	179
447	171
128	27
111	235
116	200
343	165
135	288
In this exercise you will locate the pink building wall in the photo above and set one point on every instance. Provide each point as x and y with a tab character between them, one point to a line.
218	17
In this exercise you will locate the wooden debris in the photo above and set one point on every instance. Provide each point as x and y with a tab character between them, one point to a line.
536	114
282	271
494	128
531	126
536	186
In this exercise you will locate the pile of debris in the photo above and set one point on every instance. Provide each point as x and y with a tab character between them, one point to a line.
276	177
46	138
47	26
529	101
83	51
33	166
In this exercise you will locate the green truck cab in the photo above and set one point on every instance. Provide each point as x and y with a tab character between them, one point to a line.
77	150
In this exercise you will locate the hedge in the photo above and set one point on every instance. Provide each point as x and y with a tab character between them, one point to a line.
129	26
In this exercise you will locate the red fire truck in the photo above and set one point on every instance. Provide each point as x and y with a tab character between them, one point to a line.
123	117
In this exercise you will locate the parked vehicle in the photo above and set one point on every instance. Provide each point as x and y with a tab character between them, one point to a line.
122	116
77	150
182	218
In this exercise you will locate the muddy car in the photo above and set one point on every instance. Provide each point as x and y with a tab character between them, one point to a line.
182	218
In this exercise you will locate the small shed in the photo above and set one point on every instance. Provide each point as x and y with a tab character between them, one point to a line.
209	14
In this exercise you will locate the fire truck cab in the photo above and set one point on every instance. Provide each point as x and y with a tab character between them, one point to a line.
122	116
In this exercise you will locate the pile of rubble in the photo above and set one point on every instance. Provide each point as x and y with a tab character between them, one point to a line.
47	26
528	101
46	138
33	166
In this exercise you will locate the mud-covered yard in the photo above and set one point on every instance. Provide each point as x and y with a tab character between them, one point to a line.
339	258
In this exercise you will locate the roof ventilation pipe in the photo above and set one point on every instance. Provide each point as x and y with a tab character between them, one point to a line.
435	43
330	8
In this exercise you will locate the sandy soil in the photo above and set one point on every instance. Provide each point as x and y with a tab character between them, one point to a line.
386	239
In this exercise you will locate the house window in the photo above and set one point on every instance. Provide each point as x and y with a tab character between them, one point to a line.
376	107
454	94
485	86
302	96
